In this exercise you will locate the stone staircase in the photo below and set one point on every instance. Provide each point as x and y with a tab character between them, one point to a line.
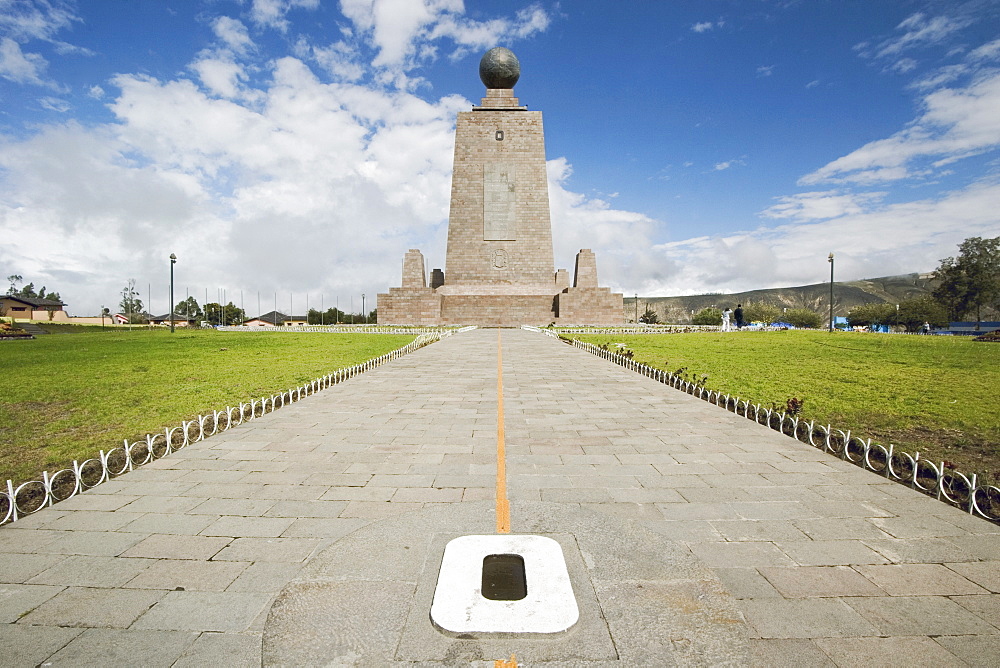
31	328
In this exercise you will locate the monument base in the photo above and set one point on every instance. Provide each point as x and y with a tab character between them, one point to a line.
590	306
504	310
410	306
512	308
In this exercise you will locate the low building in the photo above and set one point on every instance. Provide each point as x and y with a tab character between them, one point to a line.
179	320
31	308
277	319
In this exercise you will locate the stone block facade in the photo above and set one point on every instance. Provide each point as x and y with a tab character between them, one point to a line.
499	267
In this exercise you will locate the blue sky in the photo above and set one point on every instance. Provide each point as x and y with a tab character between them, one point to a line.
300	147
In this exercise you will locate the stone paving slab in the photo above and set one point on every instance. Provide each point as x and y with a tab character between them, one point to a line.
828	564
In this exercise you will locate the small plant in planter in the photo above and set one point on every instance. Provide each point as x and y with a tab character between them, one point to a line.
794	406
8	331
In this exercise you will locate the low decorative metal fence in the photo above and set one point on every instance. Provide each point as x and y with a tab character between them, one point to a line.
29	497
546	332
638	329
934	479
340	329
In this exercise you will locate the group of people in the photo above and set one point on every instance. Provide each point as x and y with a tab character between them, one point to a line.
728	315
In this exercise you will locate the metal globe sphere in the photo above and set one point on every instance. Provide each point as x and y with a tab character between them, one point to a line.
499	68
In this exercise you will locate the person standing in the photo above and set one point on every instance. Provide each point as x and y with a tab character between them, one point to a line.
738	314
725	319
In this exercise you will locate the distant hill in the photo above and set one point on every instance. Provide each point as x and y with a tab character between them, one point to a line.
846	295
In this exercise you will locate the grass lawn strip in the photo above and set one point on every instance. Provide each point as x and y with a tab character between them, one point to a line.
932	394
68	397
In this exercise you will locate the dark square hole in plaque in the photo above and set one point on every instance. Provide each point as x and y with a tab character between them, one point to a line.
503	577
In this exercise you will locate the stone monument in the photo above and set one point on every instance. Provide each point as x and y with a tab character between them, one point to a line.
499	268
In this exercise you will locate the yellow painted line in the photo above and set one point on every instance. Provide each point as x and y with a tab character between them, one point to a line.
503	504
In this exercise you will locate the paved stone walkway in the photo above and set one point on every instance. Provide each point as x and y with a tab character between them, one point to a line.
178	563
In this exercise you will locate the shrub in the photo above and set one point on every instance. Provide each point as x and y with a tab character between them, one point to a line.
707	316
761	312
864	315
803	317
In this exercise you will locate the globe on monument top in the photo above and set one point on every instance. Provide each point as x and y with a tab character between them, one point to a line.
499	68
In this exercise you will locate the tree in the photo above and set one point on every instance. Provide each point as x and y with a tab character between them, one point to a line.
217	314
707	316
130	304
872	314
761	312
331	316
913	313
803	317
189	309
234	315
971	280
29	290
650	317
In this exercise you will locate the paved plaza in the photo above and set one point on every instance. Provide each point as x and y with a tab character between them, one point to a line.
780	554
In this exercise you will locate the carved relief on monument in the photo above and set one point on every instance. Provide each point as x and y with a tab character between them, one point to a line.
500	259
499	202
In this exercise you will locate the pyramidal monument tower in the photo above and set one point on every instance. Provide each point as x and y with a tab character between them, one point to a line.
499	268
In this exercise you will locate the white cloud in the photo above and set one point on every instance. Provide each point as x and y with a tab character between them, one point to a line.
312	186
917	32
339	59
705	26
726	164
402	30
233	34
20	67
868	242
55	104
25	20
920	30
939	77
621	239
221	76
987	52
822	205
295	184
272	13
765	70
955	123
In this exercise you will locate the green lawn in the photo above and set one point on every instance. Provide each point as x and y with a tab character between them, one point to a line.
68	396
933	394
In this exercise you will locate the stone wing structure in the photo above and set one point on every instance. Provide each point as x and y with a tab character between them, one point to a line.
499	268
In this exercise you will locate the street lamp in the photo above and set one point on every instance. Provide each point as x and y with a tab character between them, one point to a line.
637	308
830	258
173	260
363	312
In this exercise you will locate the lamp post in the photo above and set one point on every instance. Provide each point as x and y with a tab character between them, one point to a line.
363	312
637	308
830	258
173	260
